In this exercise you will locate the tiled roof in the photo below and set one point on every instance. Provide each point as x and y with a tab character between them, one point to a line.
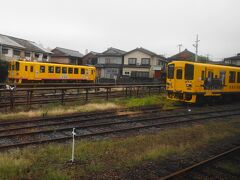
146	51
58	51
22	44
113	51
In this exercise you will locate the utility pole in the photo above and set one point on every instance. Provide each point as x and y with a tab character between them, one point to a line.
196	47
179	47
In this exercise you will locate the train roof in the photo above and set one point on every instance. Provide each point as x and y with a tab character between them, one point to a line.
55	64
206	64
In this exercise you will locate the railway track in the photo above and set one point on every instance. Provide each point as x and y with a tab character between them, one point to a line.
225	165
22	133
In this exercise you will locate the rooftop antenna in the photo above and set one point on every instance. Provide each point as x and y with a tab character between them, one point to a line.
196	47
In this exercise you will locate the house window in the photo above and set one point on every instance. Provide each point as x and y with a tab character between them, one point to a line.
70	70
37	55
145	61
75	70
58	70
140	74
45	56
73	61
16	53
27	54
107	60
50	69
132	61
42	69
4	51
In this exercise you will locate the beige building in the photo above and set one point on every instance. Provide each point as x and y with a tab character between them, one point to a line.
142	63
66	56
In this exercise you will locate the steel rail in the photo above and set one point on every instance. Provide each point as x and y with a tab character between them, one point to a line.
114	130
199	164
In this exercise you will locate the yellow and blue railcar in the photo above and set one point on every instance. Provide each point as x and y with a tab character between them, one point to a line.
25	71
192	82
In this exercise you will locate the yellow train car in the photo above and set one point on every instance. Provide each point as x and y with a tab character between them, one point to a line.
195	82
25	71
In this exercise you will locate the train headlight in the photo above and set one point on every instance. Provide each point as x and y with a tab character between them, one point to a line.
189	85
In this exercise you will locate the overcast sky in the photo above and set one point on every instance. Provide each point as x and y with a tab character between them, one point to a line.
157	25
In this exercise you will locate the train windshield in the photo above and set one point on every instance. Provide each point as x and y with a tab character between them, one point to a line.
189	72
170	72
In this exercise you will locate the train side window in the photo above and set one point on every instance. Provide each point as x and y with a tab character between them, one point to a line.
189	72
75	70
179	74
170	72
70	70
238	77
232	76
17	66
26	68
13	67
58	70
82	71
42	69
50	69
64	70
203	76
92	71
31	68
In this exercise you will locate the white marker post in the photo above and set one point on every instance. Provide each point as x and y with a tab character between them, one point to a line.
73	143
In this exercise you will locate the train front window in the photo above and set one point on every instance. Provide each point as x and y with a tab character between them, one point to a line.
179	74
189	72
17	66
170	71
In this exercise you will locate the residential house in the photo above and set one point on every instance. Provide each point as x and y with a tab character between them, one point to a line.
109	63
187	55
142	63
90	58
66	56
16	48
234	60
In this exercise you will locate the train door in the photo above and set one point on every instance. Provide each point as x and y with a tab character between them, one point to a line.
31	72
178	79
209	79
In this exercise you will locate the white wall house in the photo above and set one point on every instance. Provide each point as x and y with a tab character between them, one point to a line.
142	63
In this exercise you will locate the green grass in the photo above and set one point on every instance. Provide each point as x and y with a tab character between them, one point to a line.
58	109
118	154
